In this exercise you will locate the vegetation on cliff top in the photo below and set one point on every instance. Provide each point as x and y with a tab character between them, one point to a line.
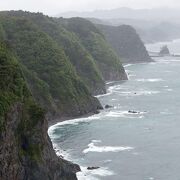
44	61
79	57
94	41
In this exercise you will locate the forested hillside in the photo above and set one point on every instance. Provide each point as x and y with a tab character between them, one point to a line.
126	42
25	149
50	75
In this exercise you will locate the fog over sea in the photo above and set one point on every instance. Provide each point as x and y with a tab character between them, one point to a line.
130	146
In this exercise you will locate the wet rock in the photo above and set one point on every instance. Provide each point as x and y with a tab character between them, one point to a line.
108	106
133	112
93	168
97	112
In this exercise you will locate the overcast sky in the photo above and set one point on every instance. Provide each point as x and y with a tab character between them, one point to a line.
53	7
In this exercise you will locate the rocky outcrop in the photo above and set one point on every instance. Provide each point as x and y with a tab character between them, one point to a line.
126	42
16	160
164	51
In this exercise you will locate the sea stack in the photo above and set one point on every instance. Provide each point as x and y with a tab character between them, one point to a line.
164	51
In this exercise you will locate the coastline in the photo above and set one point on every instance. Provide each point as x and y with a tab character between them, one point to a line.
56	120
62	119
53	122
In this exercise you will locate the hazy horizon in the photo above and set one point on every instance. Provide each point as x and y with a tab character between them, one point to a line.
55	7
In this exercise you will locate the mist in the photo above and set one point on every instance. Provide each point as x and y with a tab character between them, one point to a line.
54	7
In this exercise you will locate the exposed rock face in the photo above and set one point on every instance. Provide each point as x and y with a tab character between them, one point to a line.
126	42
26	152
18	166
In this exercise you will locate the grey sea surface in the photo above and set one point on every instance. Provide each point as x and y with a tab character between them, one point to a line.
127	145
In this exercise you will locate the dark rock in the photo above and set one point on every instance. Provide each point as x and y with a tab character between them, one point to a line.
164	51
108	106
97	112
93	168
133	112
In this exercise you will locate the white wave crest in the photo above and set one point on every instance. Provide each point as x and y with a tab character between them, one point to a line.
93	148
149	80
72	122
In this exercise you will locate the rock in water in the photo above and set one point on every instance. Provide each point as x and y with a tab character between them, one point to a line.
164	51
108	106
133	112
93	168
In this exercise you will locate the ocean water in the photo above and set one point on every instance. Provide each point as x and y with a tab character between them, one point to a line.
129	146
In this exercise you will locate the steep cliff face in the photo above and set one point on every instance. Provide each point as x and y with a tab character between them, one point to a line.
79	57
25	148
126	42
93	40
50	75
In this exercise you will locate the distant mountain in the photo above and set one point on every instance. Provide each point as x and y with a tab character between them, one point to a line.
149	31
126	42
128	13
164	31
153	25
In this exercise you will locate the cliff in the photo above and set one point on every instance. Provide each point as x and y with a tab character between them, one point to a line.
76	53
126	42
51	77
25	148
94	41
48	70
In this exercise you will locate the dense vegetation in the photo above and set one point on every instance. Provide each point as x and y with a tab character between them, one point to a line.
13	91
51	76
94	41
126	42
47	69
25	148
80	58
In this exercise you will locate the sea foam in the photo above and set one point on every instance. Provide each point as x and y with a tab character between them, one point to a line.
93	148
89	174
149	80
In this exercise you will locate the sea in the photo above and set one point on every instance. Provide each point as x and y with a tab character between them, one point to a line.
138	138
